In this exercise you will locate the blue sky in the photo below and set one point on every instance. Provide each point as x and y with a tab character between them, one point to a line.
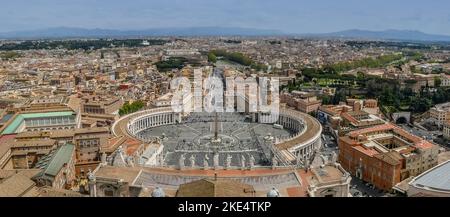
290	16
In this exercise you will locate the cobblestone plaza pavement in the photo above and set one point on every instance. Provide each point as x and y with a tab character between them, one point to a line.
239	136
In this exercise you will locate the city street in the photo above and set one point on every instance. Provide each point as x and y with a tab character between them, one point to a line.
359	188
328	141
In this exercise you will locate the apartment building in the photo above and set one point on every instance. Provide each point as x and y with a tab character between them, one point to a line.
385	155
302	101
441	112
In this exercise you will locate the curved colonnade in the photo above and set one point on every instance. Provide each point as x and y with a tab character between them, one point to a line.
303	143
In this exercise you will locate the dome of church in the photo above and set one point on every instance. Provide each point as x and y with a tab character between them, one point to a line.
273	193
158	192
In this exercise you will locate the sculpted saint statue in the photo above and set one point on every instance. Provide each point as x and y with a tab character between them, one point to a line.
242	162
229	157
181	161
192	159
205	161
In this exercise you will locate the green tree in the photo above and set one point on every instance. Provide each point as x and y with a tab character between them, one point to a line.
128	108
420	104
211	57
326	100
437	81
340	96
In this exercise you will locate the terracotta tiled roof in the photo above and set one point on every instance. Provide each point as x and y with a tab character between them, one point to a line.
424	145
349	117
132	145
382	127
367	151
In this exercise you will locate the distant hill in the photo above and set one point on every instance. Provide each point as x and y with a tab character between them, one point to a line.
68	32
391	34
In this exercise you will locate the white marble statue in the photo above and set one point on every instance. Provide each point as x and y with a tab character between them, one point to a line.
229	157
242	162
216	159
192	159
181	161
251	161
205	162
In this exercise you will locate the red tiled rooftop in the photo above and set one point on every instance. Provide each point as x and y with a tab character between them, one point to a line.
132	145
382	127
424	145
296	192
420	143
407	135
349	117
367	151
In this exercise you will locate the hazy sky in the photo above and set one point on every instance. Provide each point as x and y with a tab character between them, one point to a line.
290	16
